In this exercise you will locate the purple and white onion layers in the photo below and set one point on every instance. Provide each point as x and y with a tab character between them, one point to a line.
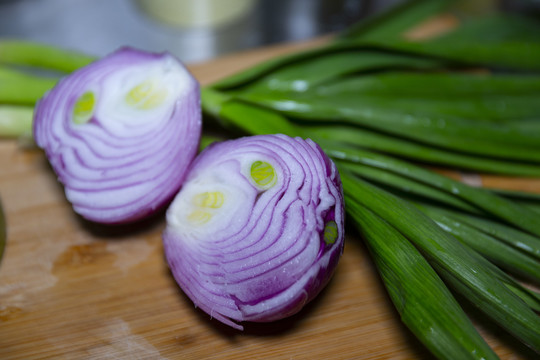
257	229
120	133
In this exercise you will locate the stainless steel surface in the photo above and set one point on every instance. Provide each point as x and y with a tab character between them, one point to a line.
100	26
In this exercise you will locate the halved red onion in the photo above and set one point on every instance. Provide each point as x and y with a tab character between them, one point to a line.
120	133
257	229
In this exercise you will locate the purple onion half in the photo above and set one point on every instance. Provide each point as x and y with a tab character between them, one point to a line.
120	133
257	229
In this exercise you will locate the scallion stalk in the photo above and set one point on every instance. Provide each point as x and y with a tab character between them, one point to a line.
525	263
460	135
303	75
15	121
497	206
49	57
365	138
17	87
517	239
391	24
406	187
424	303
469	273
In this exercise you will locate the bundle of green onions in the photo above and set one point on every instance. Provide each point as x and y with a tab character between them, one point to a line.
383	108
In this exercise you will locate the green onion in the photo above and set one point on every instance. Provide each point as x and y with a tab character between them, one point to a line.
499	41
406	187
494	29
468	273
511	55
517	239
17	87
245	117
483	199
369	139
15	120
435	85
482	100
479	138
500	250
393	23
303	75
424	303
32	54
518	195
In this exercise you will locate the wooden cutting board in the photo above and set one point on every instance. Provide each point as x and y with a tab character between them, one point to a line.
73	290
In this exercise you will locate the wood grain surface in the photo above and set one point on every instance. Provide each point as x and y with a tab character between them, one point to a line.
73	290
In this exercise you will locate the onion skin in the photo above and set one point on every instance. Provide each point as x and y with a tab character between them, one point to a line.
257	229
120	134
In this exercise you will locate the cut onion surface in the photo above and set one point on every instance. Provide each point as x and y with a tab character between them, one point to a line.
120	133
257	229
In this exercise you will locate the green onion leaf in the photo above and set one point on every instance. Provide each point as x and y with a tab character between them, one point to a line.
468	272
32	54
424	303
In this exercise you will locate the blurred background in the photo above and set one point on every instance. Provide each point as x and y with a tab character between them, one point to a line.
194	30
